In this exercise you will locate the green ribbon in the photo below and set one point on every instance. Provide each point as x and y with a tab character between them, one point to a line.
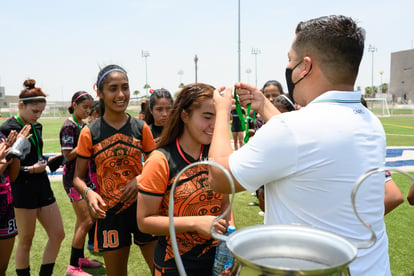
242	125
76	122
244	120
37	145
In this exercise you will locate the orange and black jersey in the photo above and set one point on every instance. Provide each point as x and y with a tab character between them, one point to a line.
192	197
117	155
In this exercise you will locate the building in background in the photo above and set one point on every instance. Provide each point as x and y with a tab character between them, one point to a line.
402	77
6	100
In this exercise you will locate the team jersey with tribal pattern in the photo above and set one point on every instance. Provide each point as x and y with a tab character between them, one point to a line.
117	155
192	197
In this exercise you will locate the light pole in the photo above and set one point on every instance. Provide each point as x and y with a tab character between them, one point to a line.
372	49
382	86
381	72
146	54
195	62
181	73
255	52
248	71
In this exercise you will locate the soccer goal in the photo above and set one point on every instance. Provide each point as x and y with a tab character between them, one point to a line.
13	109
378	106
52	109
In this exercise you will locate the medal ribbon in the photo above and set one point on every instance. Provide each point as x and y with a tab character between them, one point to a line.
36	143
76	122
244	120
182	154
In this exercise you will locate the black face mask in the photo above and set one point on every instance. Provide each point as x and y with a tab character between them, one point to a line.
290	83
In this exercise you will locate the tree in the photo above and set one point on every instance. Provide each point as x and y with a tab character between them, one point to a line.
368	91
384	87
136	93
374	91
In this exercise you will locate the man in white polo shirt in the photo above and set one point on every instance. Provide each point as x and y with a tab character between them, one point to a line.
310	159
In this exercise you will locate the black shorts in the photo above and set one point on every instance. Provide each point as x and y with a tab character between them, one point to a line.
114	231
235	127
32	193
196	262
8	227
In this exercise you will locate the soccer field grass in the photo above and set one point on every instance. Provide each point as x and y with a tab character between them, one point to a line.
399	130
400	222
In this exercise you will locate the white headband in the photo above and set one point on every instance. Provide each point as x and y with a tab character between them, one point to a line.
32	98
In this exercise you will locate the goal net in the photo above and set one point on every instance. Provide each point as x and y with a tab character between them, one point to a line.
378	106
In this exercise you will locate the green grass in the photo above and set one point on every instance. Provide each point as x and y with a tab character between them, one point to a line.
51	129
399	228
400	132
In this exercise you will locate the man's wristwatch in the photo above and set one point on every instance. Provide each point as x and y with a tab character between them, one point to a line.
26	169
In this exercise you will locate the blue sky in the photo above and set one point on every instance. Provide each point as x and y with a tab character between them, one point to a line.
62	44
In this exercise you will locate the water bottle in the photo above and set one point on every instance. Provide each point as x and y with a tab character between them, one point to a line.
223	258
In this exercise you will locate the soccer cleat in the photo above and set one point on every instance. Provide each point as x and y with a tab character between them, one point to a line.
76	271
85	262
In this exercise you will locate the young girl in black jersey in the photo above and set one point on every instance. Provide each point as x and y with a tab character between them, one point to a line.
116	141
33	197
159	106
69	133
185	140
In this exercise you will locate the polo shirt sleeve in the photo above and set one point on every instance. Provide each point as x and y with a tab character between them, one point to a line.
271	154
148	143
84	149
155	175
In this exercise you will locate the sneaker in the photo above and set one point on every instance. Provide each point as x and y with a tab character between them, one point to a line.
76	271
85	262
254	203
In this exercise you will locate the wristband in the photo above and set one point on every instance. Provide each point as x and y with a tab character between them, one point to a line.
85	192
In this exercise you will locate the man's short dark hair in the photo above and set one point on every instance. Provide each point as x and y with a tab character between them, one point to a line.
335	42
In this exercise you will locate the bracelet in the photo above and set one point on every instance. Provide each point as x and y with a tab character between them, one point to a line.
85	192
